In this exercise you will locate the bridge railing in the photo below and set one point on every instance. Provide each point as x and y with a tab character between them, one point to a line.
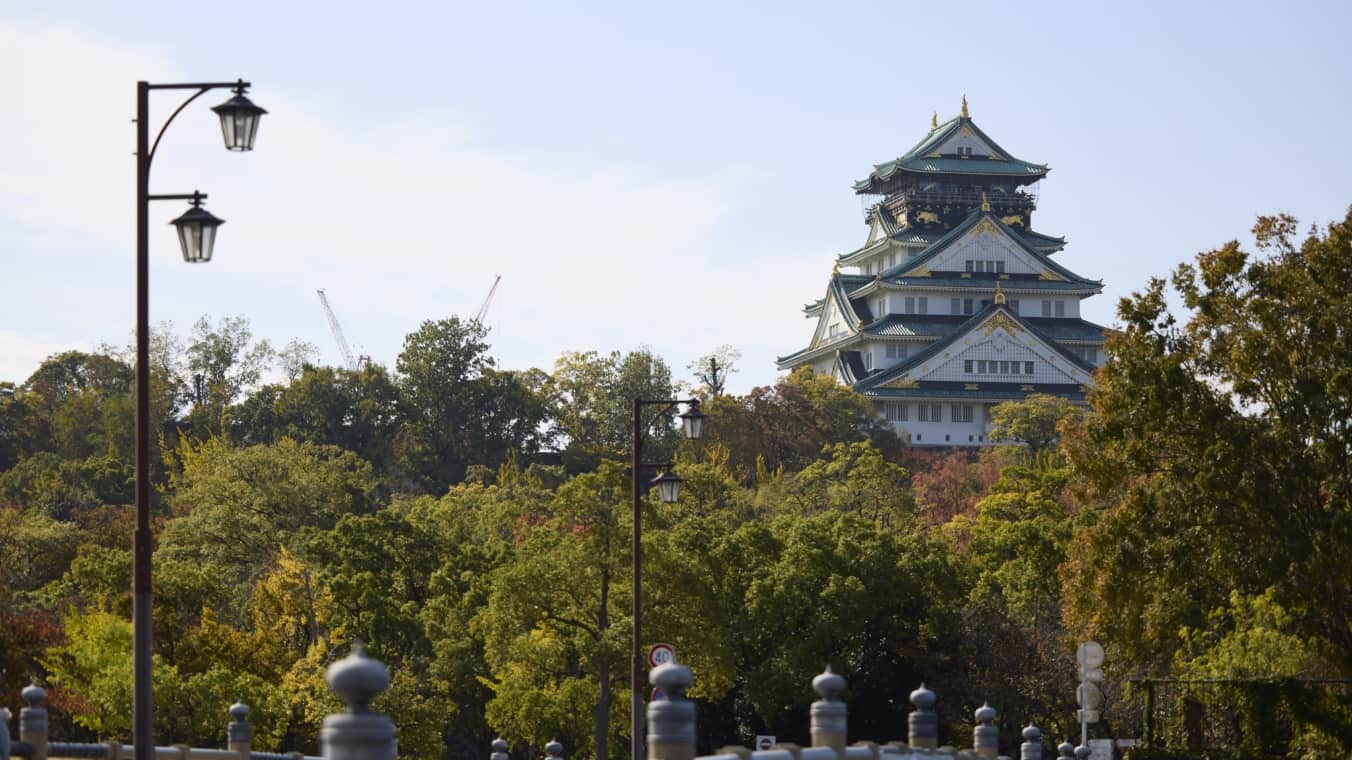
356	733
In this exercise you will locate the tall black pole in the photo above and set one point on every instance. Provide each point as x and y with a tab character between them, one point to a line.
142	730
636	665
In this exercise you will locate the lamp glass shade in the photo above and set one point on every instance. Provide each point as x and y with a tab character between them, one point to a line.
197	234
693	422
239	122
668	487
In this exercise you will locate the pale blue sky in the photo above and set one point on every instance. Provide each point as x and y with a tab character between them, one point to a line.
606	158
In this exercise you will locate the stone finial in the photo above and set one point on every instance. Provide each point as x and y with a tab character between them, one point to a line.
985	735
358	733
1031	749
923	723
238	732
34	695
554	750
499	749
357	679
1066	750
828	717
965	114
1083	752
33	720
671	721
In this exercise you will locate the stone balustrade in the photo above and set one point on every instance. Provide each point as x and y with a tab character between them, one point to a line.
357	733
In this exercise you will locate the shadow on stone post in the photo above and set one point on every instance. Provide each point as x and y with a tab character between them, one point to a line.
358	733
828	717
671	721
33	721
238	732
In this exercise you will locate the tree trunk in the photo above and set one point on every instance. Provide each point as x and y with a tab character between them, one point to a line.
601	716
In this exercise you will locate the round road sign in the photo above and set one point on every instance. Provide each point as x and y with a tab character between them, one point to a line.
660	654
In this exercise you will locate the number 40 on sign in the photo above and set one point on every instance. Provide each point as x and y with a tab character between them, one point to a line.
660	654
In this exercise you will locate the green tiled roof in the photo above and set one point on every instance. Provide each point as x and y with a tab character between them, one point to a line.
956	332
917	160
907	236
957	232
1001	391
944	325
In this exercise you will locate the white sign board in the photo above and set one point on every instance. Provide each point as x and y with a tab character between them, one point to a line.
660	654
764	742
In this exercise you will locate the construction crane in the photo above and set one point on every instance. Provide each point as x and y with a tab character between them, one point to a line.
353	363
483	310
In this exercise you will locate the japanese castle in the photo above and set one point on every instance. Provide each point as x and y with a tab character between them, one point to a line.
954	303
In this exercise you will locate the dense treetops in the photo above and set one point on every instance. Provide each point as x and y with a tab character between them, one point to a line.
471	525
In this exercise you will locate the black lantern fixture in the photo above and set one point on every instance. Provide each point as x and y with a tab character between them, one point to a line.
668	487
693	421
197	231
239	120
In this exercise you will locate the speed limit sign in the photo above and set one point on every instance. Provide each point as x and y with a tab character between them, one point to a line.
660	654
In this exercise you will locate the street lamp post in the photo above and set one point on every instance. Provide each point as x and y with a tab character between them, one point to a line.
669	489
197	235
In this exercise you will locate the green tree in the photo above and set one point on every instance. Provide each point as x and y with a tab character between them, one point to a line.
458	409
224	361
786	425
594	401
1220	447
237	507
556	627
1032	421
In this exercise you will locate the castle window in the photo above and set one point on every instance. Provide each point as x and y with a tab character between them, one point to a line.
923	303
966	306
967	366
910	304
1027	368
896	411
1091	355
1014	305
868	360
968	264
1000	266
832	331
1004	368
1060	308
1046	308
981	366
962	412
956	306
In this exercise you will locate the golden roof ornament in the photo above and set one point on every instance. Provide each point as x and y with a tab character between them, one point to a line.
835	269
999	294
965	115
934	121
985	202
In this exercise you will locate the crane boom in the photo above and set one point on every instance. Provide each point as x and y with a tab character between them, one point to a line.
337	331
483	310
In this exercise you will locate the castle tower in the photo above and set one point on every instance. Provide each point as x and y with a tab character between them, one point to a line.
953	304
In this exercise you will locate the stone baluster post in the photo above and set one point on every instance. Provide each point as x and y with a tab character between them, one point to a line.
358	733
671	721
4	733
985	734
1066	750
1083	752
828	716
238	732
554	750
499	749
33	721
923	723
1031	749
